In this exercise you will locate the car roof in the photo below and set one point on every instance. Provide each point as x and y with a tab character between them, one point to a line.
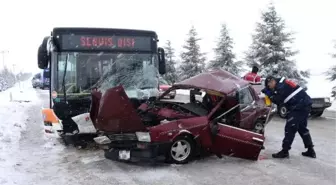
216	80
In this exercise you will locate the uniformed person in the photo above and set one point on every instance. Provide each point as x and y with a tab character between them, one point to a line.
298	103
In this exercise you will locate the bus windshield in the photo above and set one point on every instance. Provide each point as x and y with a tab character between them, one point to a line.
136	72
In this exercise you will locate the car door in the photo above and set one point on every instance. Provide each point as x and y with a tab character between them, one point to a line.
248	108
237	142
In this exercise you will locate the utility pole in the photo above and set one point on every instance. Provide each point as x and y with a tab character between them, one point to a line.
3	57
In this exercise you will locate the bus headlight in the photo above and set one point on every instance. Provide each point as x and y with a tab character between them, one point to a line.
143	136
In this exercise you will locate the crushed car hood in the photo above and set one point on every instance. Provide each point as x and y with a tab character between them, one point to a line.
116	113
164	87
217	80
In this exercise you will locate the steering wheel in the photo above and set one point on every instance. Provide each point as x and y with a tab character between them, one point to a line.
71	86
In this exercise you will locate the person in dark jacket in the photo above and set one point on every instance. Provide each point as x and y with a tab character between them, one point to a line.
298	103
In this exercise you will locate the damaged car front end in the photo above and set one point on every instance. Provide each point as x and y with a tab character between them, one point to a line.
178	131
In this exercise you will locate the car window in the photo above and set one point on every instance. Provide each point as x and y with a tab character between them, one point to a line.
245	96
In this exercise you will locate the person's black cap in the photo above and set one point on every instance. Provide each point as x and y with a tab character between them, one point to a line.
255	69
268	78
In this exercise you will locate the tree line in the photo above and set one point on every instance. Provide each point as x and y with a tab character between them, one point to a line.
270	50
8	78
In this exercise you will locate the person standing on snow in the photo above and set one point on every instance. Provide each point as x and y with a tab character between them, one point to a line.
298	103
252	76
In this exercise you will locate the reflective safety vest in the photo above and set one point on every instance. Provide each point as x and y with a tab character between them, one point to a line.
253	78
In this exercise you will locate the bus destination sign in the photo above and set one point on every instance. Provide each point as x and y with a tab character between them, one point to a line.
115	42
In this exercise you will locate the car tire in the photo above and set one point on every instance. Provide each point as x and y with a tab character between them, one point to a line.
316	114
282	111
186	147
109	155
259	127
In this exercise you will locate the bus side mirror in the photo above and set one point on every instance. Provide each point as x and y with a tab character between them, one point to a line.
162	61
42	59
42	54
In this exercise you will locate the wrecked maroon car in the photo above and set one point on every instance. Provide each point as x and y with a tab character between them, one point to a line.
177	131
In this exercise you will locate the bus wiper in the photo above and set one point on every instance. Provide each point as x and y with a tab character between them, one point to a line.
63	82
146	87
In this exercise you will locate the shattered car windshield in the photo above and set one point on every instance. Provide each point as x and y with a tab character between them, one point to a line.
163	81
137	73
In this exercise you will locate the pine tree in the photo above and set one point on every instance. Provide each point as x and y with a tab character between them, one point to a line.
192	59
224	57
171	74
331	73
270	49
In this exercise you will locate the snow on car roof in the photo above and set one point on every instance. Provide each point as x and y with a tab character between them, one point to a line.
216	80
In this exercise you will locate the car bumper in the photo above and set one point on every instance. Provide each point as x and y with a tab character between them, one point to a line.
321	106
137	152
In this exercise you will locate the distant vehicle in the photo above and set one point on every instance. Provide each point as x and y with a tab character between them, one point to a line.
36	82
42	79
164	86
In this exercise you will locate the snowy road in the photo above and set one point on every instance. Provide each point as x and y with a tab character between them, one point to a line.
38	160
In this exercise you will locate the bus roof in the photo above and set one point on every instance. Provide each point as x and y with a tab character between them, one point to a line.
101	31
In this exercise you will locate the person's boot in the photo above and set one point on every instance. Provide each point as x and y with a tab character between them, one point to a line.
309	153
282	154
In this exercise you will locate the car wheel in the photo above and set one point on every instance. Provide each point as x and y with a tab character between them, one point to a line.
316	114
182	150
259	128
109	155
282	110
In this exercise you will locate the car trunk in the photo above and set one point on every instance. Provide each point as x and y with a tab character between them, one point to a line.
115	113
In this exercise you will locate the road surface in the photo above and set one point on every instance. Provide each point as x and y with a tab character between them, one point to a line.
40	160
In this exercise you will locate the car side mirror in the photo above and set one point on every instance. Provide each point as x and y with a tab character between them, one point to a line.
162	61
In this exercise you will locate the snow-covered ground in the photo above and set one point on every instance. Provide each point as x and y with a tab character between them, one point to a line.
13	122
27	157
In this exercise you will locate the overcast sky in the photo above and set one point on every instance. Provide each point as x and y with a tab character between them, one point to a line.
25	23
